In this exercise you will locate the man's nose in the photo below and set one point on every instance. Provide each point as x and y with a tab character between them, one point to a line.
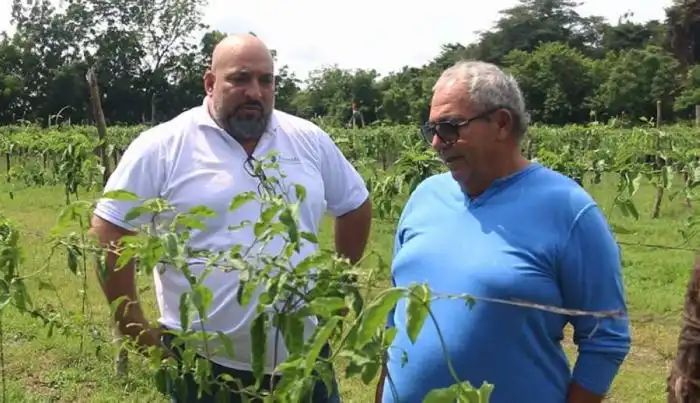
437	143
253	91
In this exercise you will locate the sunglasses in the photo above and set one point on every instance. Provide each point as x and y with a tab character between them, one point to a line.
448	130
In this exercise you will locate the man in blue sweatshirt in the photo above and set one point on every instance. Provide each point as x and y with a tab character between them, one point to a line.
501	227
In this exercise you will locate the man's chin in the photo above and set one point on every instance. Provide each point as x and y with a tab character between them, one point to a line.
247	129
460	172
249	114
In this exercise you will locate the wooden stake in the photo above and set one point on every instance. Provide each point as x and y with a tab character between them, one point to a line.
99	118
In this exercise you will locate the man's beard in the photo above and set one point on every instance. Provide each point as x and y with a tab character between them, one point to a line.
247	128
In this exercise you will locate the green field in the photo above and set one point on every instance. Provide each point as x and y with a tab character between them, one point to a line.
41	368
44	163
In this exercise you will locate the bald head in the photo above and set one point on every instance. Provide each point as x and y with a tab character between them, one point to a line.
241	86
237	47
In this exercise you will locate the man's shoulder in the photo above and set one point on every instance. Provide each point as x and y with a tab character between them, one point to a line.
304	135
165	133
294	124
439	182
560	195
560	188
436	186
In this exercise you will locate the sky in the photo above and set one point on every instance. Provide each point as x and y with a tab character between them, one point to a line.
381	34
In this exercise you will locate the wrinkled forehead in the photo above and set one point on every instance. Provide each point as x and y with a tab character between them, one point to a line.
450	101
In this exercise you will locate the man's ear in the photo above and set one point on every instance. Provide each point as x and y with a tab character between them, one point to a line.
505	121
208	80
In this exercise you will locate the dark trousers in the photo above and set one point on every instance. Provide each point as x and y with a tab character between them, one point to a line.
186	392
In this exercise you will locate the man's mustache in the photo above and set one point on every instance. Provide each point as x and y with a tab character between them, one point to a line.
251	104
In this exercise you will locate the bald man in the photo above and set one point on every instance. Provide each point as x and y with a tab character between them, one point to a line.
204	156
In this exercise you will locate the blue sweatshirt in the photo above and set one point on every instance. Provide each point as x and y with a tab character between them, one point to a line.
534	236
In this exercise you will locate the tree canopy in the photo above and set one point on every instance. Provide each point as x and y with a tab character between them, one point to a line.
149	65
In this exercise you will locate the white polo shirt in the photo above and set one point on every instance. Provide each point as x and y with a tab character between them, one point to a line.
190	161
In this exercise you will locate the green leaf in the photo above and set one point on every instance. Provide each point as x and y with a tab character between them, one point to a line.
241	199
201	299
258	335
202	210
171	245
416	310
190	222
443	395
325	306
72	260
269	213
292	328
227	343
309	236
5	299
374	316
300	192
485	392
320	338
20	294
186	311
370	371
287	218
245	291
120	195
136	212
259	228
161	380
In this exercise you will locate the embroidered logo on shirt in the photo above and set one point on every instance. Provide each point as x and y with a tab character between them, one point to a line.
287	158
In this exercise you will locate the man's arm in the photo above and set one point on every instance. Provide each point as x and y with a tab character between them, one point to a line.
140	171
591	280
347	199
352	232
121	283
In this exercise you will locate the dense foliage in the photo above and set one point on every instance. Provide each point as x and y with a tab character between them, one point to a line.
149	63
393	159
573	70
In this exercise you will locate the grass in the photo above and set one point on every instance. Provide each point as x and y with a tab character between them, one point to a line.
42	368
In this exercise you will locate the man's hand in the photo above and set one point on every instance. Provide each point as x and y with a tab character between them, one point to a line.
147	339
578	394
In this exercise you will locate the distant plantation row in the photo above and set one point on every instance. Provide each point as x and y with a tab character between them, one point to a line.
662	156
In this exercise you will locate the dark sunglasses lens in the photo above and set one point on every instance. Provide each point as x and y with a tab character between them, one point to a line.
447	132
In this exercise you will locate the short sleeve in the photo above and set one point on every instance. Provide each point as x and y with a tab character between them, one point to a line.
345	190
139	171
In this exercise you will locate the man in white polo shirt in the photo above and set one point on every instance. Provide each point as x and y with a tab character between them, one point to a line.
203	157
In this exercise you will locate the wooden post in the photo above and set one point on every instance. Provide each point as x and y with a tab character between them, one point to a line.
682	385
99	118
697	115
122	358
658	164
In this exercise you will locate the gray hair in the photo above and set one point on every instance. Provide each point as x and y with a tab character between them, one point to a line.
489	87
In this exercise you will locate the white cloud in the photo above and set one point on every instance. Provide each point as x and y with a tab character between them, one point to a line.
380	34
